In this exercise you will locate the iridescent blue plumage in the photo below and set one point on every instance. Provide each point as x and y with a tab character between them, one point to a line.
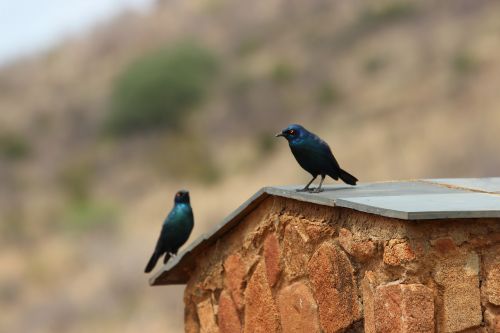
314	156
175	231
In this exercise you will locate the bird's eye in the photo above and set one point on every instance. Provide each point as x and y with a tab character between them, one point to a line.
292	132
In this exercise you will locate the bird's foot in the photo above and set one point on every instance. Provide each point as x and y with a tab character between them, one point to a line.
316	190
305	189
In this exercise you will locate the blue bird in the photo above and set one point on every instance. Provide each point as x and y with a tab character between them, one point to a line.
175	231
314	156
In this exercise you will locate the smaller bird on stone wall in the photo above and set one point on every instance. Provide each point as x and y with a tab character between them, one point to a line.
314	156
175	231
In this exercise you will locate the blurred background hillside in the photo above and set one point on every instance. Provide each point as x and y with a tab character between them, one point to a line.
99	131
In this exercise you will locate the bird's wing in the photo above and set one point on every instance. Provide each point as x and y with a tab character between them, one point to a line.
171	220
321	150
176	228
166	231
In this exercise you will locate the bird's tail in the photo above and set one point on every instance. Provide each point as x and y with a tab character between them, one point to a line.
347	177
152	262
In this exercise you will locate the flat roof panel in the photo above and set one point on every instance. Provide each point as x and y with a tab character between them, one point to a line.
333	192
491	185
428	206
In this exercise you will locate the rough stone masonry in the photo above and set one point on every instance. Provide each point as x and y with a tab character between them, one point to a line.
291	266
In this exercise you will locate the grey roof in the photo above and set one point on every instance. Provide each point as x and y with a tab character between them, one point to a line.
411	200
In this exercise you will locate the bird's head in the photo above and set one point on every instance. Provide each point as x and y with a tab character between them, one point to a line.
292	132
182	197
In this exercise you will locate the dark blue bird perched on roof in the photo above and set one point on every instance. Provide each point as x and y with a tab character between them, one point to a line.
314	156
175	231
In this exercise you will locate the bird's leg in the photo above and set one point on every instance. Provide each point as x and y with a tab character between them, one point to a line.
319	189
306	188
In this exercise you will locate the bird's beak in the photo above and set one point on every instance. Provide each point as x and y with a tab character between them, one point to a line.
279	134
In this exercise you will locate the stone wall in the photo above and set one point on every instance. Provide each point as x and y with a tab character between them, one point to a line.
291	266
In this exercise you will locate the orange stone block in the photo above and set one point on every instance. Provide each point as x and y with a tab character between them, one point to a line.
206	316
403	308
235	272
398	252
332	278
361	250
298	309
261	315
229	321
272	258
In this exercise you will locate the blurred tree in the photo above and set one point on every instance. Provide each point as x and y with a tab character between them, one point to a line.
160	88
387	12
464	62
327	94
13	146
282	73
76	180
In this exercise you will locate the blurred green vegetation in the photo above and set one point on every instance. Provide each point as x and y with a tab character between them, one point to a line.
159	89
327	94
374	64
76	180
89	215
13	146
266	142
186	156
240	83
249	45
375	16
13	229
82	211
389	12
282	73
463	62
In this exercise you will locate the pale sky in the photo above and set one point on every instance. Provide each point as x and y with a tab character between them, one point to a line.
27	26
